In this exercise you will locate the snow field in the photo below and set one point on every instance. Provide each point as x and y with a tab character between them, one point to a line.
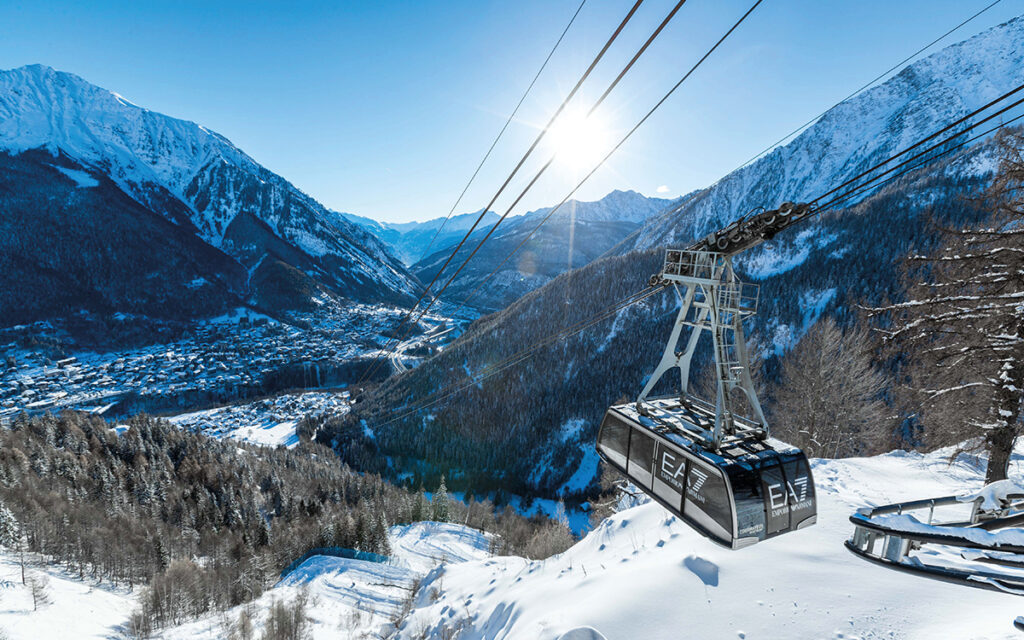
644	574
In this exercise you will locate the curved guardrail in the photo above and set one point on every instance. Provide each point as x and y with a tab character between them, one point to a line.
892	542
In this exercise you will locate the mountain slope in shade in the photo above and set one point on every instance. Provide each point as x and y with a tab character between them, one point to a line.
70	239
195	179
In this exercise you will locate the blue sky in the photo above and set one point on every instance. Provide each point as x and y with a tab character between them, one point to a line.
384	108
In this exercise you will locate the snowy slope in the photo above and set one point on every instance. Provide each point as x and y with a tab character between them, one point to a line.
858	133
349	598
643	573
75	609
640	574
353	598
231	201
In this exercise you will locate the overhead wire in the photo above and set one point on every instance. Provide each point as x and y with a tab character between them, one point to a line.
622	73
649	291
861	190
540	136
674	208
868	84
511	116
608	155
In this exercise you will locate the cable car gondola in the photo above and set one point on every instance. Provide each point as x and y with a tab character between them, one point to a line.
708	463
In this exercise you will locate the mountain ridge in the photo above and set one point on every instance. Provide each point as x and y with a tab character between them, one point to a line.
197	180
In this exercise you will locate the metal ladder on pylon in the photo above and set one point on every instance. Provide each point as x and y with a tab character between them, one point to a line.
713	300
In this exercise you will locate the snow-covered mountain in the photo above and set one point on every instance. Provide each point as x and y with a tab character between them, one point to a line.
197	180
575	235
857	134
409	240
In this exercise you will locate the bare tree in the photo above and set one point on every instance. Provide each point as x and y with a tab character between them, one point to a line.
288	621
39	588
960	330
828	400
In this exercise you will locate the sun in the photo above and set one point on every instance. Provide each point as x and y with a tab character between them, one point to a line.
579	141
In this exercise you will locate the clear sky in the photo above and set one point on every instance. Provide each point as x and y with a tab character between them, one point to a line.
384	108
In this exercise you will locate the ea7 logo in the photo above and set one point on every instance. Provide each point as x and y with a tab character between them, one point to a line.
670	467
697	479
801	486
796	490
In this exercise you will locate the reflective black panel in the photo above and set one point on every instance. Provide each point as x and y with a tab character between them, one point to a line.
801	490
614	440
641	458
706	492
669	475
776	499
749	498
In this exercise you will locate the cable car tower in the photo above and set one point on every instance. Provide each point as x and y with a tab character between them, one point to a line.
712	462
717	302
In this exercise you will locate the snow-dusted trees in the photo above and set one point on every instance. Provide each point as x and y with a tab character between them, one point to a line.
440	503
828	400
960	329
9	532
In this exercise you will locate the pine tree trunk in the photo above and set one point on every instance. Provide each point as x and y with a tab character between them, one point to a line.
1000	446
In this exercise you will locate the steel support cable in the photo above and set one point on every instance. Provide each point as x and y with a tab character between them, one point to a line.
672	209
515	170
551	160
512	115
675	208
873	181
524	354
622	73
921	142
868	187
869	84
605	159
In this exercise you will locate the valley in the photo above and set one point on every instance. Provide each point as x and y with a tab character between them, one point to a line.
238	407
241	354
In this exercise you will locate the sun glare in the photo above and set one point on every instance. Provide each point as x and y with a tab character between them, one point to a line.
578	141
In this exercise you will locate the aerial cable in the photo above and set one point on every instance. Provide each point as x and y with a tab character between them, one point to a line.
858	191
551	160
483	212
674	208
924	140
643	294
865	86
609	154
933	147
625	138
511	116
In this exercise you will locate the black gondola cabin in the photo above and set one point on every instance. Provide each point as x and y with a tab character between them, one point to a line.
745	492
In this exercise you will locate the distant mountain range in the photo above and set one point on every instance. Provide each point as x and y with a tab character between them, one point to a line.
547	409
409	240
576	234
106	206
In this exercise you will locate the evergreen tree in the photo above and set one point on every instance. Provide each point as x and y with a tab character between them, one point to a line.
9	530
440	503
